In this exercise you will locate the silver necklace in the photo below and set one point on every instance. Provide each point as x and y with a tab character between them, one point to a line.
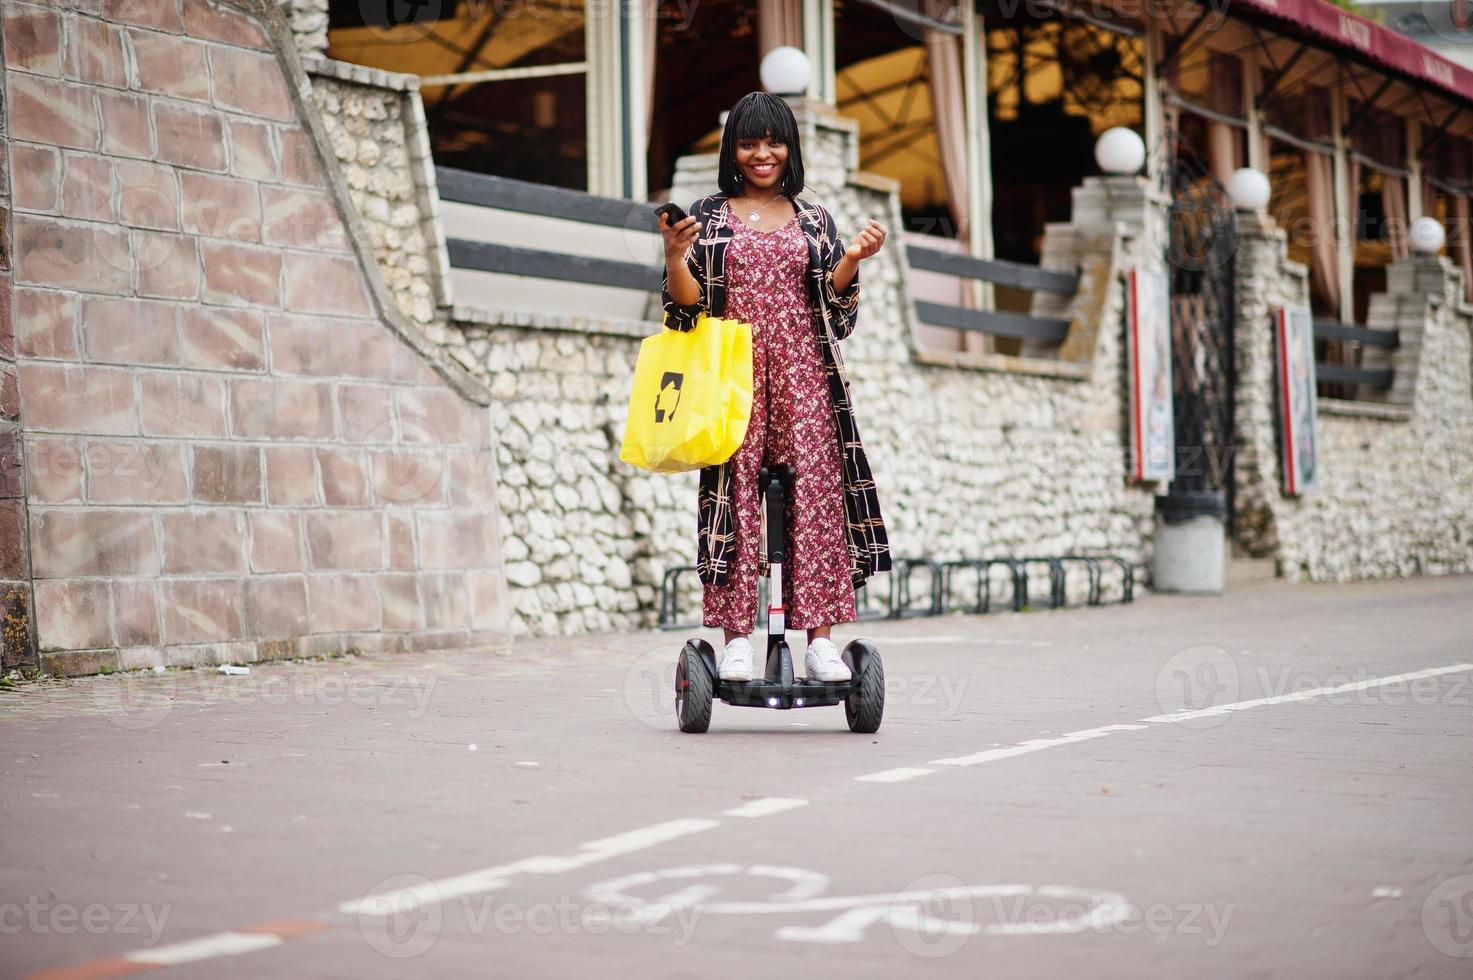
752	215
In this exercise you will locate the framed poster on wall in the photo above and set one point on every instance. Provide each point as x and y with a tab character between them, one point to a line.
1295	340
1148	339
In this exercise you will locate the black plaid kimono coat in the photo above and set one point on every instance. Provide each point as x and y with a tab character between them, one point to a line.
833	320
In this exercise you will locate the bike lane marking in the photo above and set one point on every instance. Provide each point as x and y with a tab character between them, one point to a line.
914	909
1085	734
231	942
765	807
900	775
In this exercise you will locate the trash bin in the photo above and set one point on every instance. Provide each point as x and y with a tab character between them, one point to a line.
1190	551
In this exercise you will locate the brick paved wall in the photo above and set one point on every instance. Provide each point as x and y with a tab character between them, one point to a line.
16	633
235	446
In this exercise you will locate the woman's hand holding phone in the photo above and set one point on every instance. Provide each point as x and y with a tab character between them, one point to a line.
678	237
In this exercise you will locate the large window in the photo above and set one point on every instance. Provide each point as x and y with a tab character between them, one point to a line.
1053	87
1446	189
706	58
516	104
1377	178
890	82
1301	157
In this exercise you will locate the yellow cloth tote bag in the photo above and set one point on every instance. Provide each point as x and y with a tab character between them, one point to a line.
692	397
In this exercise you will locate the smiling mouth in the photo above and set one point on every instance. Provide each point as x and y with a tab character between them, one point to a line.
763	169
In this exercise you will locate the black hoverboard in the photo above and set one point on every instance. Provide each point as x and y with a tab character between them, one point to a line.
696	681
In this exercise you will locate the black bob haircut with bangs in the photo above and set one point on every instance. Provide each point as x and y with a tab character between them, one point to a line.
759	114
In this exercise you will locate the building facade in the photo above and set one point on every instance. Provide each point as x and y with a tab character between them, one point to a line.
362	299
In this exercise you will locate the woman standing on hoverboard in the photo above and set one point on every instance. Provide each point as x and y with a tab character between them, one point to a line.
759	253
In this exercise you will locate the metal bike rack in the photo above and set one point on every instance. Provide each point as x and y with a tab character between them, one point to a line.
1127	580
900	579
669	599
1055	579
1020	581
1091	569
867	611
984	585
983	567
900	602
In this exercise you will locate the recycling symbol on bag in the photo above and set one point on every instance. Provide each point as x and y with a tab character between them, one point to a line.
669	396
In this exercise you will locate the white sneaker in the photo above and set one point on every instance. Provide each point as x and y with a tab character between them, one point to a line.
736	661
822	662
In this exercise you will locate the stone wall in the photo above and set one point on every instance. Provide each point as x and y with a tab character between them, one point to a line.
586	538
1395	477
975	455
376	124
235	446
307	22
982	455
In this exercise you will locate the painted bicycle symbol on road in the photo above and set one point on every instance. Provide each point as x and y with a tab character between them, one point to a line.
932	916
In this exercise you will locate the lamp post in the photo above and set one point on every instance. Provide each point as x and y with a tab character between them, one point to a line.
1120	151
1427	236
1249	189
785	71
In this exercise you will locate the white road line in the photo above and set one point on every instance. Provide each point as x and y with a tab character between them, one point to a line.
977	640
765	807
204	948
1039	744
910	640
894	775
604	848
488	879
1318	692
1032	745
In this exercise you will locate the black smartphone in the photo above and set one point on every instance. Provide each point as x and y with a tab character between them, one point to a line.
673	214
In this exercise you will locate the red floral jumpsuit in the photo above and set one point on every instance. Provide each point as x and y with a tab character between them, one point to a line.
792	422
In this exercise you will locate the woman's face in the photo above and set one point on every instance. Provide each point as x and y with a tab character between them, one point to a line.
761	162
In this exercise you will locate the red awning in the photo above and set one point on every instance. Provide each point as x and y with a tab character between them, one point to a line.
1378	45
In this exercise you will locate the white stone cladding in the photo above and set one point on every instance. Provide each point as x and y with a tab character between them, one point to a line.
971	461
976	455
1395	491
376	123
585	539
307	21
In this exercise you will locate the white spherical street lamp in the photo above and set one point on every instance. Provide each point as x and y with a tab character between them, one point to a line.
1249	189
1427	236
785	71
1120	151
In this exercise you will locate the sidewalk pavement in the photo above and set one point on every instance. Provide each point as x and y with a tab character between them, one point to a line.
1275	782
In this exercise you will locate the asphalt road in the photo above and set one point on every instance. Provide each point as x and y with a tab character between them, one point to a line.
1273	783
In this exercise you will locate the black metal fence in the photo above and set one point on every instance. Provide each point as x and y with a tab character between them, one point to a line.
999	272
926	587
1340	348
504	193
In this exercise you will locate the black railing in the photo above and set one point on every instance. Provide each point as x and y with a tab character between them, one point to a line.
1340	372
999	272
515	260
506	194
982	568
527	197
